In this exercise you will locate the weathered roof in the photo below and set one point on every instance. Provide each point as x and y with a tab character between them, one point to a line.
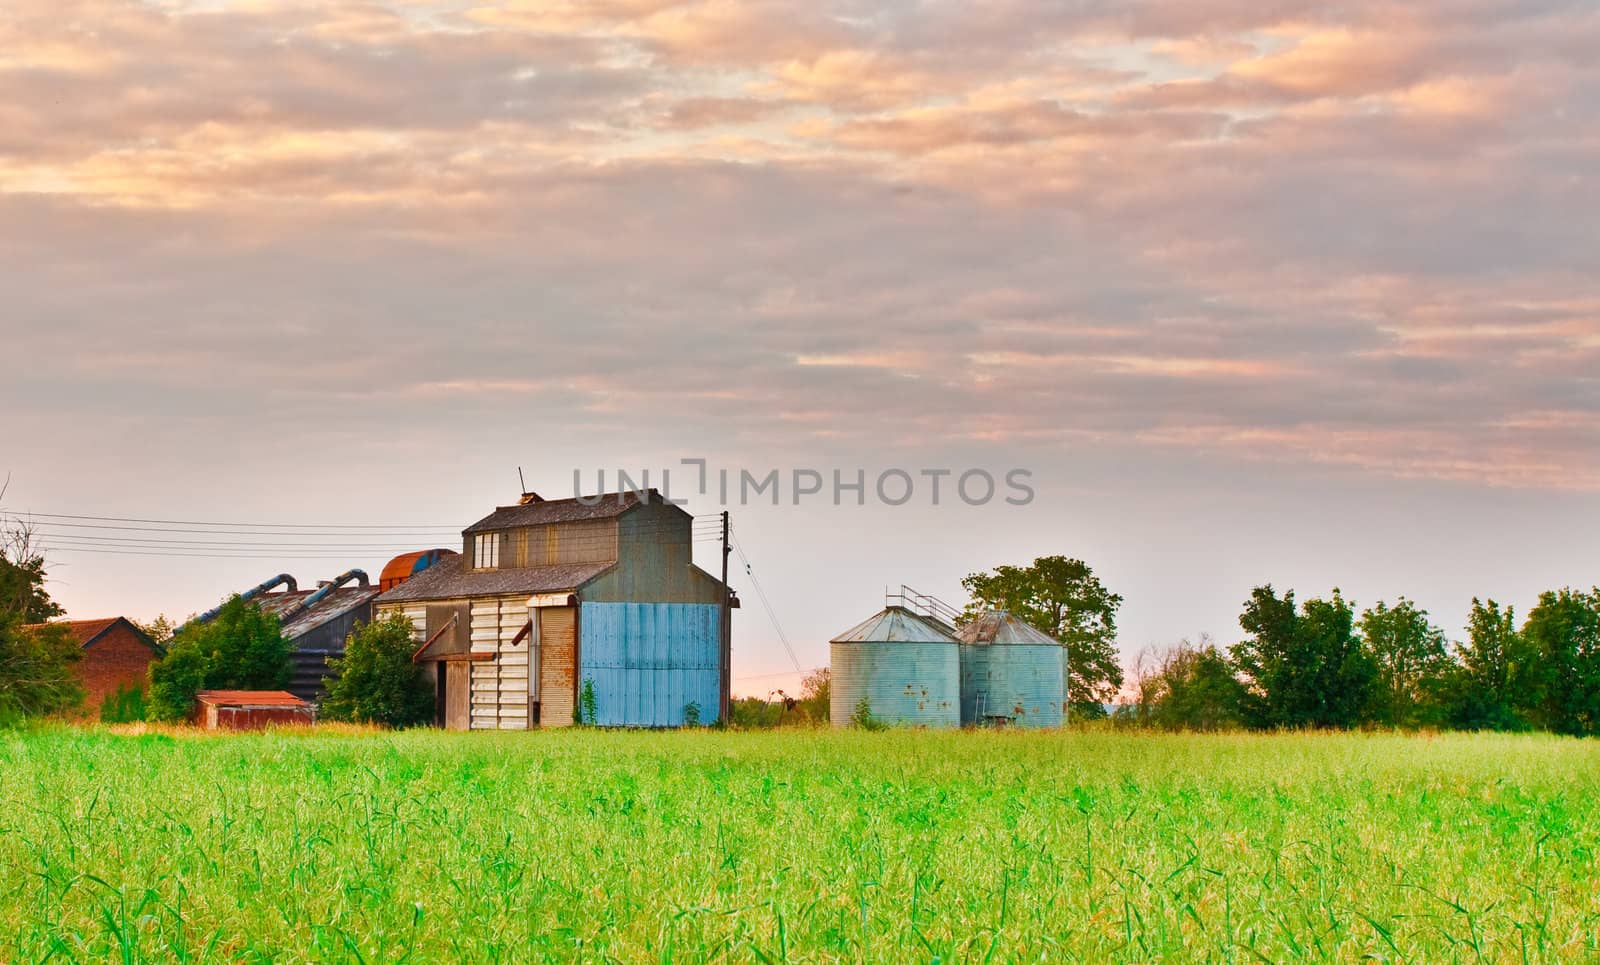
605	506
1003	627
330	607
896	625
250	698
86	632
451	579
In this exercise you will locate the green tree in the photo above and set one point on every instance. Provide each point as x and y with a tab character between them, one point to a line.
1564	632
816	692
1064	599
35	657
1413	664
1198	690
1497	684
1303	668
22	577
376	681
241	649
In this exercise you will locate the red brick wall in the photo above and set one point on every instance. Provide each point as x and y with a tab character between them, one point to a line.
116	659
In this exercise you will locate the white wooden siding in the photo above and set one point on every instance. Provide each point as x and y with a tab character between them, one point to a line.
499	686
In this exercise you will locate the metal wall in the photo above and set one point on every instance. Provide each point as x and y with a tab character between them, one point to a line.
905	683
648	661
313	649
1013	683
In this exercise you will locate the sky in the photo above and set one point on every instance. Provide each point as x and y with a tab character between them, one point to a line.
1255	290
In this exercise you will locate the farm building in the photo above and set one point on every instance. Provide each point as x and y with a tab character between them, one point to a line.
249	709
903	666
553	597
116	655
920	662
317	621
1010	672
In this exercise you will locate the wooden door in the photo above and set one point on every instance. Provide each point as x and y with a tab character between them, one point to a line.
457	695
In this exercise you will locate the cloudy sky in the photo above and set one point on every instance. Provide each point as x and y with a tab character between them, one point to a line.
1258	290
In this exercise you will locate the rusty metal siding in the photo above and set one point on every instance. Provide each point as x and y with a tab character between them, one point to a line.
916	684
256	718
649	661
1014	683
557	665
655	562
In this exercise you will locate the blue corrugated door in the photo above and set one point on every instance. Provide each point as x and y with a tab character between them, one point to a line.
649	661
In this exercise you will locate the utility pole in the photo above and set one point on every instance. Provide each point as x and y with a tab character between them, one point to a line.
726	710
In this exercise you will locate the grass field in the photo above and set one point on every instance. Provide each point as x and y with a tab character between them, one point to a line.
796	846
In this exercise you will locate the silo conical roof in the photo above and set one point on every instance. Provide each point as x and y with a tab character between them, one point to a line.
896	625
1003	627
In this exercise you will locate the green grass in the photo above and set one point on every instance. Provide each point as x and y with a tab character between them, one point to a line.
827	846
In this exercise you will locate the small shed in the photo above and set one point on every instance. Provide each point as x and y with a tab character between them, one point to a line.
249	709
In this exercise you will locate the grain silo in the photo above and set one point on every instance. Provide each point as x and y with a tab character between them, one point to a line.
1011	673
906	666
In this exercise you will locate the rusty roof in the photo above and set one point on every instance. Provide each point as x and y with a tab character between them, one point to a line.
86	632
250	698
451	579
1004	628
330	607
604	506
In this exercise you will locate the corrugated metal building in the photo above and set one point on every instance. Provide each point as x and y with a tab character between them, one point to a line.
1010	672
549	596
905	665
316	623
249	709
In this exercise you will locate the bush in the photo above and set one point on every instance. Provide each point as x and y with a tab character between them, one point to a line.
242	649
585	712
36	669
123	706
862	717
376	680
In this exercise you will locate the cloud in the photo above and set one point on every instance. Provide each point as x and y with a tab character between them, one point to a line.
1280	232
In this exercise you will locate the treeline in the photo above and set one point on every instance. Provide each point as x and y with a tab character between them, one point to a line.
1322	664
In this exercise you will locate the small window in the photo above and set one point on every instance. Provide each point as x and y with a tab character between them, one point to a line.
486	551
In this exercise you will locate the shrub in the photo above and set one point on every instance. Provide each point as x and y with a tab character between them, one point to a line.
242	649
585	712
125	705
862	717
376	681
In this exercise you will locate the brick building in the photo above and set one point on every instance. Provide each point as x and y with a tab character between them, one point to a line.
116	653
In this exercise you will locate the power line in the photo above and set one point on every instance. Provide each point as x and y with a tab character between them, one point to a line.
771	614
192	522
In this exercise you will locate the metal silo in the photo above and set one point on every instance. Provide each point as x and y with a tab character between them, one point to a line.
907	667
1010	673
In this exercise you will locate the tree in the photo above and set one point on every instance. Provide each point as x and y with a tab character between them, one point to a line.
1065	600
241	649
816	691
22	577
376	681
1305	668
35	657
1564	632
1497	683
1199	690
1412	660
160	629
